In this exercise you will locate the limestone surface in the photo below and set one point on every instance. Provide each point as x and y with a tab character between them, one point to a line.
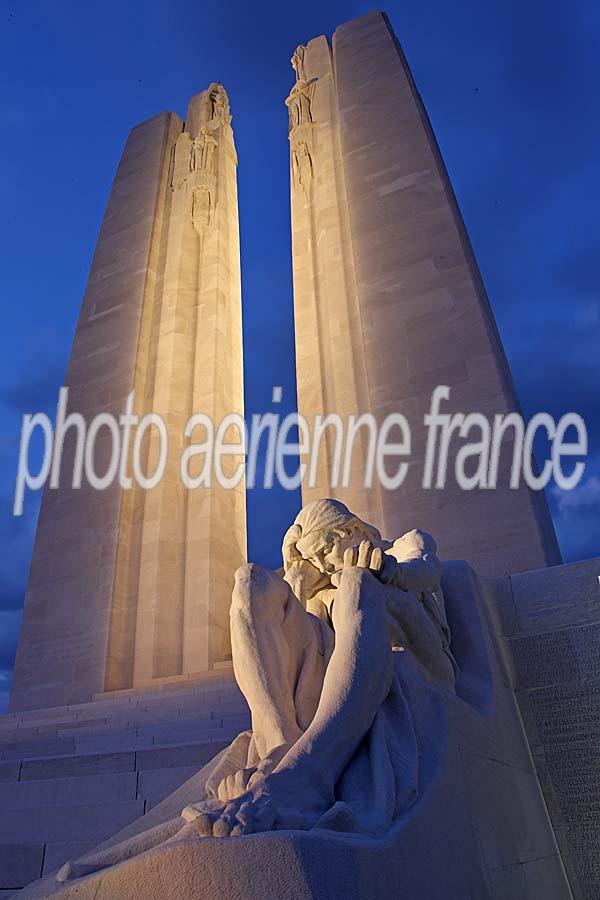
549	625
116	573
407	773
388	299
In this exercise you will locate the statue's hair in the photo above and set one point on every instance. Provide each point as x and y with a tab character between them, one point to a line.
323	515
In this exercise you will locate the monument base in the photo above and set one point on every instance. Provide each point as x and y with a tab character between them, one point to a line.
479	831
71	777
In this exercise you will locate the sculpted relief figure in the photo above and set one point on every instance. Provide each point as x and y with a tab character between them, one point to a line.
219	104
201	209
298	104
302	165
321	654
191	156
203	151
195	149
298	62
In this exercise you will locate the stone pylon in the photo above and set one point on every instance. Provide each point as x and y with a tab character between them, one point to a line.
131	587
389	302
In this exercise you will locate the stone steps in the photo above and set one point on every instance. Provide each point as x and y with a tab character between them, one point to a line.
84	821
58	808
72	776
68	730
150	786
207	716
109	787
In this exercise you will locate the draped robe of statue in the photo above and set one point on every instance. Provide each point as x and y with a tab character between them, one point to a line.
383	776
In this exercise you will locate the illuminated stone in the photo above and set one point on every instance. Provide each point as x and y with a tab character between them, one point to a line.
388	299
129	587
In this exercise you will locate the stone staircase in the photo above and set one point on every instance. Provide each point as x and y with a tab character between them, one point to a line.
70	777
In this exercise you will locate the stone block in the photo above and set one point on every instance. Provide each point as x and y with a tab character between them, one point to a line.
163	735
545	877
58	852
171	757
20	863
558	596
93	822
81	727
108	788
235	722
502	606
115	741
554	657
508	812
10	770
72	766
44	747
508	883
156	784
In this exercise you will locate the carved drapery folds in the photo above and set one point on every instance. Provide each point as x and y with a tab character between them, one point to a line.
302	165
201	209
299	104
203	151
298	62
218	105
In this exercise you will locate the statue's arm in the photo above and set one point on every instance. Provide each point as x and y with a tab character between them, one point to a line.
412	563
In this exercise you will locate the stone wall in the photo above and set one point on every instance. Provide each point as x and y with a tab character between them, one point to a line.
549	623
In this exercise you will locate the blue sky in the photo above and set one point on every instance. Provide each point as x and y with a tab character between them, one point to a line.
512	91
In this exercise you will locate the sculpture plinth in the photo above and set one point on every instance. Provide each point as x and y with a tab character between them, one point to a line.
478	826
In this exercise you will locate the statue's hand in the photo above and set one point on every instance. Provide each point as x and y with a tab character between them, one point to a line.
305	579
365	556
237	783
